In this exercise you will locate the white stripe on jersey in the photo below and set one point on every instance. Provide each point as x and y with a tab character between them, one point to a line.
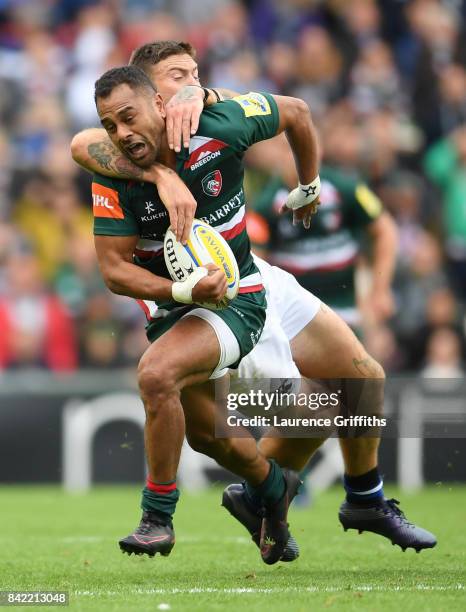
251	280
198	141
158	313
146	244
235	220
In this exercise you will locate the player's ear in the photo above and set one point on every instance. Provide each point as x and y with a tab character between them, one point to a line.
160	105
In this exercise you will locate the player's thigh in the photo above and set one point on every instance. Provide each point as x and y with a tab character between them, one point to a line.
271	358
187	353
328	348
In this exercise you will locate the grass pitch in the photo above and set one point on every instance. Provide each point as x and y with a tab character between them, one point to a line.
51	540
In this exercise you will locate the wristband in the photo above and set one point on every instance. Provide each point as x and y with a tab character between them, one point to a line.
217	95
182	291
302	195
206	94
312	191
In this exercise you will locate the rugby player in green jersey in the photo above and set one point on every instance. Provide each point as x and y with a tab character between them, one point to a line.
324	258
312	331
192	345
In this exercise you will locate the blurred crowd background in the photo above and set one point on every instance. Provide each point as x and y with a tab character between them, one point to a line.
386	84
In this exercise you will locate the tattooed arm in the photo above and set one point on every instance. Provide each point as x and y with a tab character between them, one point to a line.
93	150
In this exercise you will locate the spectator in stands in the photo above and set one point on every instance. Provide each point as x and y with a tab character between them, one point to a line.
445	164
420	276
443	355
50	215
320	81
100	333
37	330
441	311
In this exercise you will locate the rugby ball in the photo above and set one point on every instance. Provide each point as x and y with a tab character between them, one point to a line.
205	245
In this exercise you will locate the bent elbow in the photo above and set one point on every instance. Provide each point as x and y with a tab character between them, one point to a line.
113	285
111	280
302	109
77	149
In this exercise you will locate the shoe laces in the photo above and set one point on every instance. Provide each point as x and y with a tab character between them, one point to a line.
148	522
391	507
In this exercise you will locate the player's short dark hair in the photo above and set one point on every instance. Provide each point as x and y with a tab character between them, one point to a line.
129	75
150	54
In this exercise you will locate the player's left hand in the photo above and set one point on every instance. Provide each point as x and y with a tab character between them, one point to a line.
380	304
183	113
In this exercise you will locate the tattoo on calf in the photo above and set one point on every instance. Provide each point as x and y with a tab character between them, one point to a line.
365	366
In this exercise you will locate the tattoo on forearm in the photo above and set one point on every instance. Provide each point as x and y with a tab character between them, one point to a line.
110	158
127	169
102	153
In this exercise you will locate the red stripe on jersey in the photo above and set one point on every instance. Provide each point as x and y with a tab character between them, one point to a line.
212	146
146	254
251	289
145	308
234	231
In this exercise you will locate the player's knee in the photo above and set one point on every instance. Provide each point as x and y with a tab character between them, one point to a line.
156	380
369	367
379	372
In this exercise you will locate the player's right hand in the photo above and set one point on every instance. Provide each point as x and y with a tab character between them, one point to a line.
211	288
304	214
183	113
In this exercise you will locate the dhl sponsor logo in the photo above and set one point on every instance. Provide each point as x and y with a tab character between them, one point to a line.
106	202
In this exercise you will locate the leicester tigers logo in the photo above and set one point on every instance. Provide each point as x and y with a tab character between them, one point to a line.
212	183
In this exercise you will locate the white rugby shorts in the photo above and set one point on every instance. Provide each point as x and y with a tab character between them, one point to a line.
289	310
294	305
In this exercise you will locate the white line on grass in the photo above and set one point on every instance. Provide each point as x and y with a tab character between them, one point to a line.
275	590
93	539
180	540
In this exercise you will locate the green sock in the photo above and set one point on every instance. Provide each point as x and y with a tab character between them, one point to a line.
269	491
160	498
